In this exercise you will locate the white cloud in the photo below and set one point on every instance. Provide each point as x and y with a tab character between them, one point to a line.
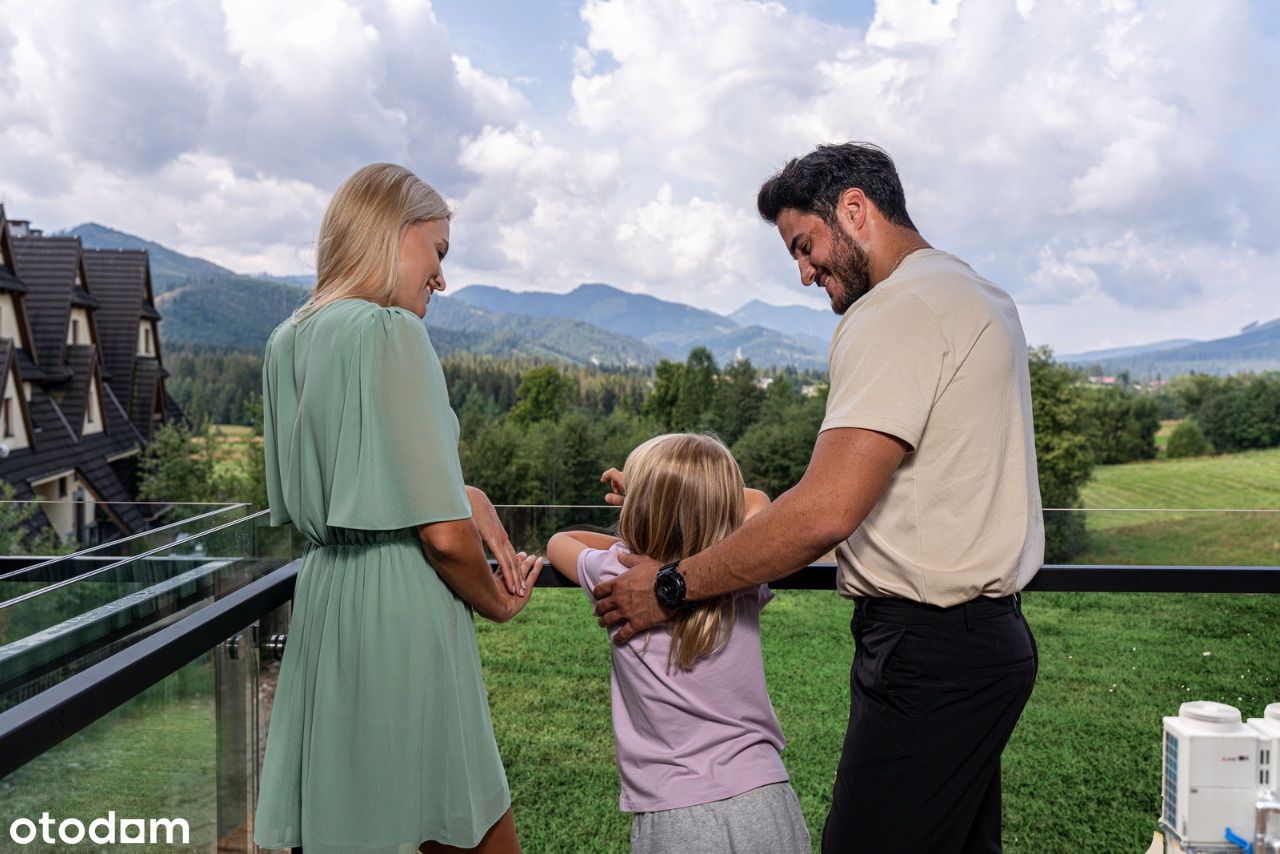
223	127
1105	162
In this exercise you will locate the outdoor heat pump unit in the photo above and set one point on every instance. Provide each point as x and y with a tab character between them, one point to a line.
1220	774
1269	758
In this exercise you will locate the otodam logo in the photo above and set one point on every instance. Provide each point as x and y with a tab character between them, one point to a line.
103	831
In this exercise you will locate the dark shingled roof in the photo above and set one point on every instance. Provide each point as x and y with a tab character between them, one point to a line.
73	394
119	280
142	403
80	296
47	265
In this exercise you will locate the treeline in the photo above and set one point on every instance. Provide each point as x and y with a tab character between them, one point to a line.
212	384
562	429
1224	414
541	433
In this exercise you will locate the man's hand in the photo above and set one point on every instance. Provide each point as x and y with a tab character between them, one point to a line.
629	599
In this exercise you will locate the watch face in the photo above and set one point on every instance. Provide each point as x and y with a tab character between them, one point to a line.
669	589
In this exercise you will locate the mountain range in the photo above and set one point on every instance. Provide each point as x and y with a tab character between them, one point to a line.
596	323
669	327
1255	348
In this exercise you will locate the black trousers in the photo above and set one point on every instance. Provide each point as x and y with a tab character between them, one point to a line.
936	693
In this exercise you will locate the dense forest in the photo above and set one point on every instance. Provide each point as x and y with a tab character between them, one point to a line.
539	433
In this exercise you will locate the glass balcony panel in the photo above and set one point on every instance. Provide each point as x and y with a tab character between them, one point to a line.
63	627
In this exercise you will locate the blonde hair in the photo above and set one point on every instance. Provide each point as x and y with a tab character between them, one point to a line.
358	247
684	493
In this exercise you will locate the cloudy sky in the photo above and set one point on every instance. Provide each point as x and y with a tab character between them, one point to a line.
1114	164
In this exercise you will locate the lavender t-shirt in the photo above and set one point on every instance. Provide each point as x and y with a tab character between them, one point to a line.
689	737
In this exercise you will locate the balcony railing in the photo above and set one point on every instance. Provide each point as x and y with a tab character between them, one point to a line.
140	681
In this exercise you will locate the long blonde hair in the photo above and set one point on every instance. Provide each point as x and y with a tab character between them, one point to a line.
684	493
358	247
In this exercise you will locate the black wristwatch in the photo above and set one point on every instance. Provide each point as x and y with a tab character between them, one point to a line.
669	587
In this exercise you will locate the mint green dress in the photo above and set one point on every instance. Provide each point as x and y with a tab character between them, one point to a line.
380	737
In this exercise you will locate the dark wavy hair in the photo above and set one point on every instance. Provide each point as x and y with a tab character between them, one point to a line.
813	183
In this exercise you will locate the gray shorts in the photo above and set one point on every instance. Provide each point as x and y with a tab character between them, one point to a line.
766	820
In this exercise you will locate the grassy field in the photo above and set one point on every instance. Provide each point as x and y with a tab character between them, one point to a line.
1183	533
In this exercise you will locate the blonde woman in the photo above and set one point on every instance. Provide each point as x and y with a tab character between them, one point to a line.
380	739
698	743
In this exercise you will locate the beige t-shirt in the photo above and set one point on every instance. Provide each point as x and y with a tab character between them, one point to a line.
935	355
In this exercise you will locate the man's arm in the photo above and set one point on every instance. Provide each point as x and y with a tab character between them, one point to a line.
849	470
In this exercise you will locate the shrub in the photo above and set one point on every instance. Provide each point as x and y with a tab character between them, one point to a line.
1187	440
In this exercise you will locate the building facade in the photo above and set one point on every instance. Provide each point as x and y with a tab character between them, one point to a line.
83	380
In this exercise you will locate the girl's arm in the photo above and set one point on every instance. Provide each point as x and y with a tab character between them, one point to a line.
565	547
753	501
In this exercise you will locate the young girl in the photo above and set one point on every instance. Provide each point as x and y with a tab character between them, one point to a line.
698	743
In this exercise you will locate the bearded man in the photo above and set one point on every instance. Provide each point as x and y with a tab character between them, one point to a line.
923	480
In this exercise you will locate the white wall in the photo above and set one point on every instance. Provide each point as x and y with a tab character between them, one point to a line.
13	408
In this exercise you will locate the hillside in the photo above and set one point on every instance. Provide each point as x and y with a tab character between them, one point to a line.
478	330
795	320
671	327
1124	352
205	303
231	311
168	268
1255	348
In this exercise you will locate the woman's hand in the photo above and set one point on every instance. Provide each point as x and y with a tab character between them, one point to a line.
618	492
528	568
495	539
454	550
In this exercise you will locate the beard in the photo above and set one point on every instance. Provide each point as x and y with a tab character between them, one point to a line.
851	266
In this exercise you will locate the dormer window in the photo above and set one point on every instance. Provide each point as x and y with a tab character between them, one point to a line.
146	339
78	329
94	416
